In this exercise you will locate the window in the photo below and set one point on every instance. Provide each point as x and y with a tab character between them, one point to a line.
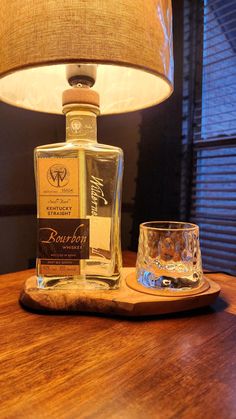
209	128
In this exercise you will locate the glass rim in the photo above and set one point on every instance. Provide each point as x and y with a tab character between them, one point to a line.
191	226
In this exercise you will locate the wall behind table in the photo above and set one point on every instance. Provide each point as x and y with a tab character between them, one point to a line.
20	132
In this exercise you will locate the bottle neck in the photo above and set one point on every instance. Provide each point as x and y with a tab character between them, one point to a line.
81	125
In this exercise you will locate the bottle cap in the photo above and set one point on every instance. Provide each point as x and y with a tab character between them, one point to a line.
81	95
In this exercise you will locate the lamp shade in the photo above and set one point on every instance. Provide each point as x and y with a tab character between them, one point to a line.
130	41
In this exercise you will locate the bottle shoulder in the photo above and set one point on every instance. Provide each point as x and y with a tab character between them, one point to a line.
78	145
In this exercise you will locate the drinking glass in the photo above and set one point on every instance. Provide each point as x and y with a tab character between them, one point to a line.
169	256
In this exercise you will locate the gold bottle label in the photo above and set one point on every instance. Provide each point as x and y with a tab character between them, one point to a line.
63	237
79	127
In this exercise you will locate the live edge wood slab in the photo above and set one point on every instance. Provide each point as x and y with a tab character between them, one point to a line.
131	300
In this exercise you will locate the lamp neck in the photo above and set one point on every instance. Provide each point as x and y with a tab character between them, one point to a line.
81	123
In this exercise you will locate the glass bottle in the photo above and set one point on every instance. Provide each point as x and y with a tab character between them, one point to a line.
78	185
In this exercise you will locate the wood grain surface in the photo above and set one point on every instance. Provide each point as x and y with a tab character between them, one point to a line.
131	299
87	366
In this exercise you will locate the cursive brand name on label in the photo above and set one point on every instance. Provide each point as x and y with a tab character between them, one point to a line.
96	194
55	237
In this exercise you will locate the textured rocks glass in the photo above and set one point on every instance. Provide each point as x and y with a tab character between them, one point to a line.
169	256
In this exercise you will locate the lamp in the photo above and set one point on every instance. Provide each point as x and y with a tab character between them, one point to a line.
130	41
130	45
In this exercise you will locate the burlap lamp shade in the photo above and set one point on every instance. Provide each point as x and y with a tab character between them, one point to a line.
130	40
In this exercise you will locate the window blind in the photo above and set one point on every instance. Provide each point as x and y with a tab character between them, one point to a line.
209	129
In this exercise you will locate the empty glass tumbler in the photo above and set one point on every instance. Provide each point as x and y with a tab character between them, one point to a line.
169	256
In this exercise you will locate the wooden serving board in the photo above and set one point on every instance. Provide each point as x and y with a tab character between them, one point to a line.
125	301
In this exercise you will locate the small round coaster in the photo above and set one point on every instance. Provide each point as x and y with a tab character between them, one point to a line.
132	282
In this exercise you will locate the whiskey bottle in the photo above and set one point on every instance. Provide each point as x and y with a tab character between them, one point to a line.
78	185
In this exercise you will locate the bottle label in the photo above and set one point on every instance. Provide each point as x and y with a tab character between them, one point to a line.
62	243
84	126
100	233
63	232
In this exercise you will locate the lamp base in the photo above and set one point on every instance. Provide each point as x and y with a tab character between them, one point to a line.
126	301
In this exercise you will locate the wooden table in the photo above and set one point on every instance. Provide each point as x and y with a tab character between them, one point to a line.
85	366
